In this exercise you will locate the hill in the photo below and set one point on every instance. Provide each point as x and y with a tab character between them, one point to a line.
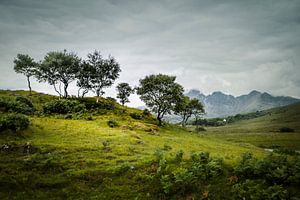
219	104
115	152
265	131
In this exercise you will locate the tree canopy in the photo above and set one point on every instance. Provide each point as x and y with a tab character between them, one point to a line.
26	65
124	90
188	107
59	67
160	93
105	72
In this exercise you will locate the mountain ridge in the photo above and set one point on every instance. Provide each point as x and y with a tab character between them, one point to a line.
218	104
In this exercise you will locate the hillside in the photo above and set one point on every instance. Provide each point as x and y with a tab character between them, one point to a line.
219	104
264	131
82	156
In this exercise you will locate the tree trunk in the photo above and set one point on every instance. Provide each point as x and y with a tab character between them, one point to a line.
65	90
84	93
56	90
29	86
98	94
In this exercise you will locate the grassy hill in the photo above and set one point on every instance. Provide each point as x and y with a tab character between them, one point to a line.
264	131
77	157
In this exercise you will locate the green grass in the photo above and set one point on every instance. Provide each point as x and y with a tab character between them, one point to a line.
264	131
81	159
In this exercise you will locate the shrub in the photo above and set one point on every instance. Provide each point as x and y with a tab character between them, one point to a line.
286	130
25	101
136	116
63	106
14	122
15	106
178	156
259	190
112	123
146	112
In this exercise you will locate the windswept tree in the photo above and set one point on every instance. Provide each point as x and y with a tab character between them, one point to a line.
124	91
187	107
59	68
24	64
106	71
160	93
84	78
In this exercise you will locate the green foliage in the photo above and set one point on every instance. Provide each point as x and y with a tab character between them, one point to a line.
24	64
136	116
124	90
275	169
146	112
160	93
178	156
24	100
9	105
187	107
112	123
14	122
63	106
59	67
258	190
102	72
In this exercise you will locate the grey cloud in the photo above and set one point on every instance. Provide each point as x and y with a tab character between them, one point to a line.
210	45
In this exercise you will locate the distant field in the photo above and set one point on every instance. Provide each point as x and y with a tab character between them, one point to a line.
264	131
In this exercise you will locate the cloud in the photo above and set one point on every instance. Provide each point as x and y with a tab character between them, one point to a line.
232	46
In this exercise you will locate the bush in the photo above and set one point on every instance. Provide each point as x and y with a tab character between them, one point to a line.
63	106
25	101
14	122
286	130
259	190
112	123
146	112
15	106
136	116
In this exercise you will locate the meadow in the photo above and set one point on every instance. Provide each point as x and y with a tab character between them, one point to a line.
118	152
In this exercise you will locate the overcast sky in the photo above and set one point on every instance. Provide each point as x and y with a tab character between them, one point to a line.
229	46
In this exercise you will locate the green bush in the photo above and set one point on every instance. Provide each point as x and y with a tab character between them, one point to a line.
24	100
257	190
136	116
146	112
63	106
15	106
112	123
14	122
178	156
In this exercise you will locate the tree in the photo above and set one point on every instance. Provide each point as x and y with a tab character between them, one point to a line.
197	109
160	93
84	77
26	65
187	107
59	68
124	91
106	71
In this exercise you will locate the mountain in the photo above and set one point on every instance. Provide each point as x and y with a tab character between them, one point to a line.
219	104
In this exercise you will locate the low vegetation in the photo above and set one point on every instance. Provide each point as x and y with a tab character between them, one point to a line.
106	151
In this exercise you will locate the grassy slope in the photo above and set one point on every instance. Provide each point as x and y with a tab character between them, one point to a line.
264	131
73	162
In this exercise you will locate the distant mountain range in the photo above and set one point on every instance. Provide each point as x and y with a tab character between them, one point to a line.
219	104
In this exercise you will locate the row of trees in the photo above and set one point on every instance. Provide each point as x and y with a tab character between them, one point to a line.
159	92
61	68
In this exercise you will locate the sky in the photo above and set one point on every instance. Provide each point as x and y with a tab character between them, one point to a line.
232	46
